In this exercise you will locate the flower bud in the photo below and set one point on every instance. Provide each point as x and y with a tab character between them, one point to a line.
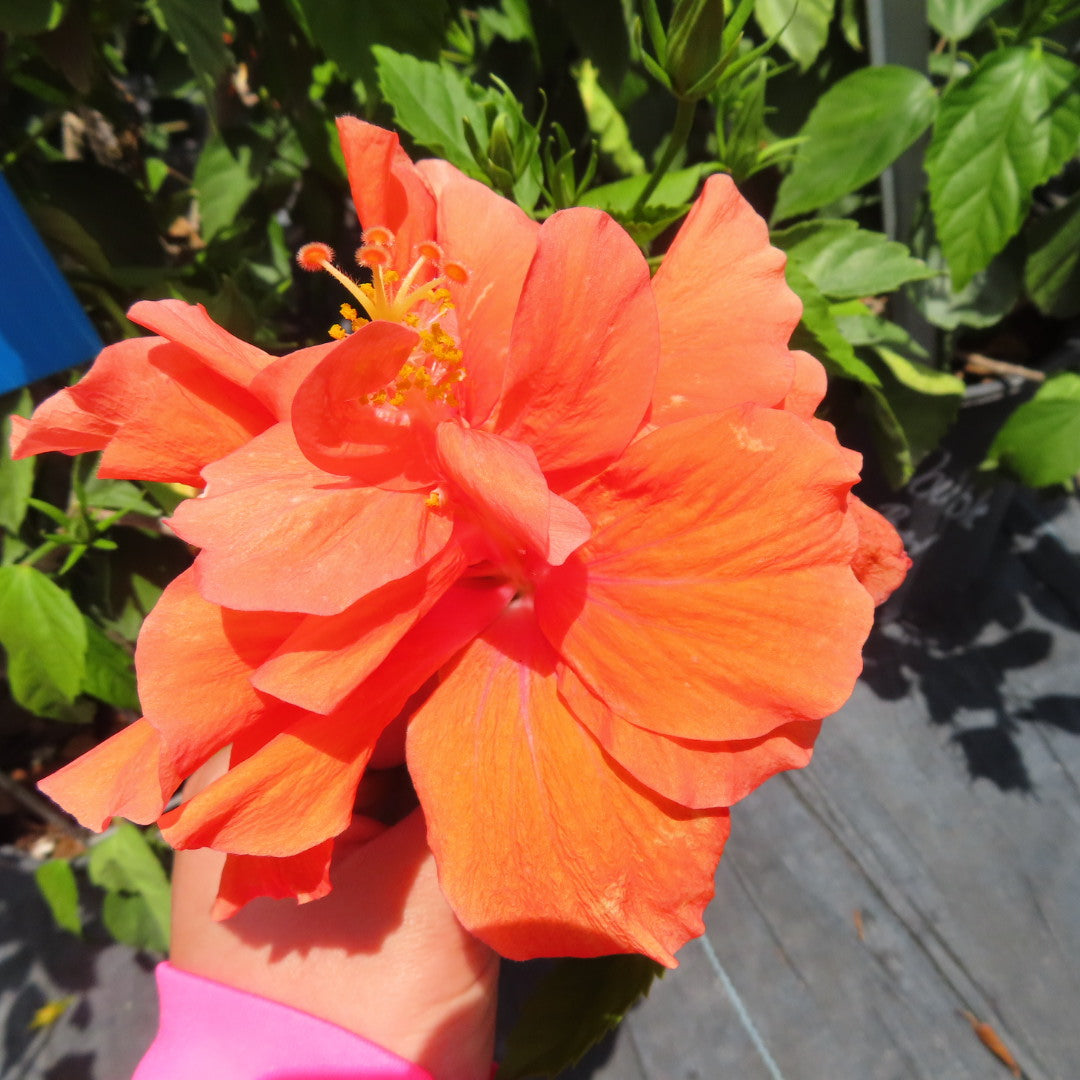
694	47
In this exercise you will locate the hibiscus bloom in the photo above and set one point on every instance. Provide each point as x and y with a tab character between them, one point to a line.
575	525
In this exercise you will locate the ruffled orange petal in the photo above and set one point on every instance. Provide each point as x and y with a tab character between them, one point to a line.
504	487
304	877
195	660
191	327
880	563
386	187
337	431
808	385
328	656
722	549
267	507
692	773
726	312
194	417
545	846
497	258
583	349
295	788
122	777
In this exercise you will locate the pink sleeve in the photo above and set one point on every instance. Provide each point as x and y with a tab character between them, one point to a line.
212	1031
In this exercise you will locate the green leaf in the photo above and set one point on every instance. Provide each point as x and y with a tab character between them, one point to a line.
223	180
110	670
137	907
429	102
675	189
846	262
606	122
30	16
16	477
118	495
858	127
985	300
958	19
56	883
803	26
1040	442
1004	129
346	32
819	334
1052	271
198	28
575	1005
45	638
921	401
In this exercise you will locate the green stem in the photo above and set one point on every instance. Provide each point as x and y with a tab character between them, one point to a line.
39	552
684	119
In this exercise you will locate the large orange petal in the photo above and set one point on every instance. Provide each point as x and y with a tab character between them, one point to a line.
881	563
190	326
726	312
194	417
545	846
84	417
328	656
296	789
121	777
692	773
583	350
195	660
808	386
386	187
504	487
305	877
339	432
267	508
497	257
715	600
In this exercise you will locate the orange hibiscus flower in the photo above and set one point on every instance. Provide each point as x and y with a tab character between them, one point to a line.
577	526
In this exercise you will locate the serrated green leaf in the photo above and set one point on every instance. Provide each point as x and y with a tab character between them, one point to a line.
1040	442
16	477
110	670
846	262
224	178
803	26
858	127
56	883
1004	129
198	28
958	19
575	1005
138	904
45	638
862	327
819	334
1052	270
429	101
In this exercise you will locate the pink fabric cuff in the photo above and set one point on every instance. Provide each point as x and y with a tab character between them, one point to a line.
211	1030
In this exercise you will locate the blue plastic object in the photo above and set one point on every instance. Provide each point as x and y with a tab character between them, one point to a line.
42	327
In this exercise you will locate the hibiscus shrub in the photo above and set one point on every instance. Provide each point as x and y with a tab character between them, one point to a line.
532	488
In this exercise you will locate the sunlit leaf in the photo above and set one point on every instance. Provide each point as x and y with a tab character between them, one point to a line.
958	19
44	635
846	262
858	127
1040	442
56	883
803	25
1000	132
16	477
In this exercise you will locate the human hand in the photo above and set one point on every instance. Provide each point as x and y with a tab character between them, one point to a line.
383	955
